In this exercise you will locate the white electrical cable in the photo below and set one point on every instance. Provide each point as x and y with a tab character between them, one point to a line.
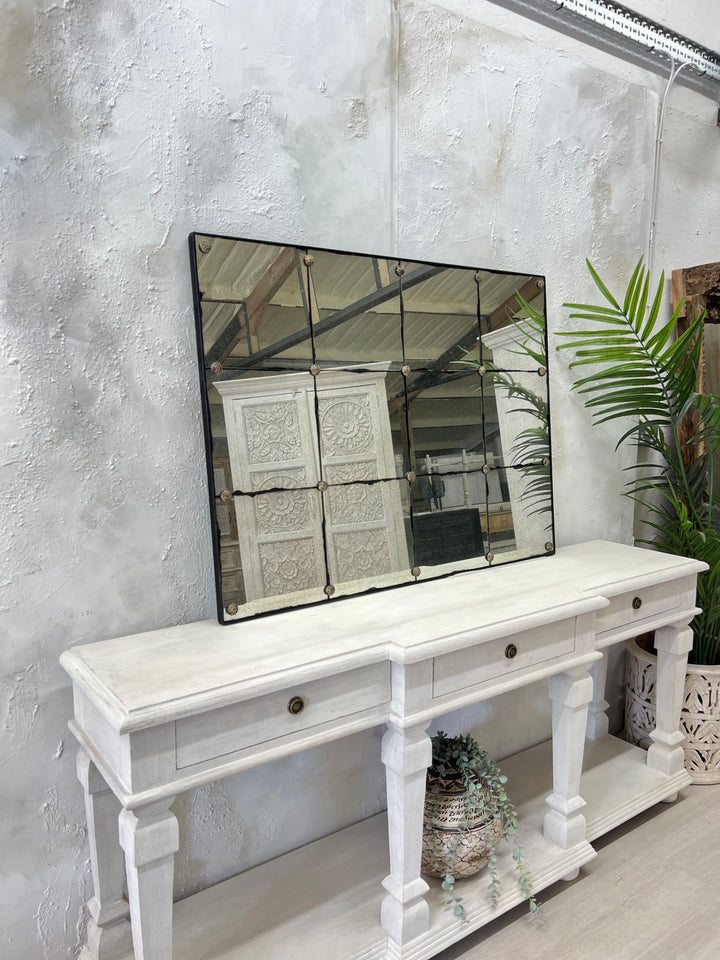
674	71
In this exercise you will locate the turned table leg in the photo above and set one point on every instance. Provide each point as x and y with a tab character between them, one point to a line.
673	644
597	721
108	935
570	693
149	837
407	755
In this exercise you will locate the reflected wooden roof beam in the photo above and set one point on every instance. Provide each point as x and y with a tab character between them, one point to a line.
239	327
382	272
369	302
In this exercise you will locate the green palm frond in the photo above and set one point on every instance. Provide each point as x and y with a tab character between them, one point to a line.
641	369
531	456
530	453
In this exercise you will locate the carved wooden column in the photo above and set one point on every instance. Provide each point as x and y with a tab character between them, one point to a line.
673	644
406	754
149	837
108	935
570	693
597	721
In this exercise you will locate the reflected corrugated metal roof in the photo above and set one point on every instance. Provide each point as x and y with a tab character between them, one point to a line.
440	310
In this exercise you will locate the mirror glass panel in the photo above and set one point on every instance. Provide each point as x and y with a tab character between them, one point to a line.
370	422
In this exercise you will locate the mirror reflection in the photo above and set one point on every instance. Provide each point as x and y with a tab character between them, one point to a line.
370	422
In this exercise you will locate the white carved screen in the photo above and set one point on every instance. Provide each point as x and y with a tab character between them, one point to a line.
271	448
364	522
274	446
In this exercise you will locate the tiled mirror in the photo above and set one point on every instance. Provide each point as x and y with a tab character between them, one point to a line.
370	422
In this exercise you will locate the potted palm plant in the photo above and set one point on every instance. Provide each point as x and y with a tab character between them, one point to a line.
631	366
467	814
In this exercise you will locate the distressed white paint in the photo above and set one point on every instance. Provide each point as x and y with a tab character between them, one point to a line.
581	594
122	130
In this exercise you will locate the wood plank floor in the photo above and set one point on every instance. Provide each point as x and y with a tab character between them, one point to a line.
650	894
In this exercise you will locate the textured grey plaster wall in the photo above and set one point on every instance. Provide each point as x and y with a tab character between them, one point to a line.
123	126
126	125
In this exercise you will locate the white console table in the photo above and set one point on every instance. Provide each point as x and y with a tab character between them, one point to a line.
162	712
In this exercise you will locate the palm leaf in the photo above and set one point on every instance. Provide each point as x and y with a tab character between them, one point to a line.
640	369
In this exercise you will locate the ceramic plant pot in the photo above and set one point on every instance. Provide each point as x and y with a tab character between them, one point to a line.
699	716
449	846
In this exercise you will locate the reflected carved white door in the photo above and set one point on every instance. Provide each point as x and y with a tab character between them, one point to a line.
364	521
273	443
271	449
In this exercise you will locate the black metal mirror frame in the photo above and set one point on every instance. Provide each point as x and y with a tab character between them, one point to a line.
211	373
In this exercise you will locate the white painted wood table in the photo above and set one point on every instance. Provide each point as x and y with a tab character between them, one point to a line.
162	712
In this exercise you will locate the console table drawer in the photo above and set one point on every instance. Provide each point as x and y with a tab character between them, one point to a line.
499	658
252	722
635	606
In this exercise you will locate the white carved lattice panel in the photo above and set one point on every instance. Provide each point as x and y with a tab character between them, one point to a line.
273	432
355	504
288	566
360	554
274	444
284	510
356	444
699	715
271	449
346	426
349	472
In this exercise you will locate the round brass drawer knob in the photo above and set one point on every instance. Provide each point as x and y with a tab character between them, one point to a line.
637	603
296	706
510	651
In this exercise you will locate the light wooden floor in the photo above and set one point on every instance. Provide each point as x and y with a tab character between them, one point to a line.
652	893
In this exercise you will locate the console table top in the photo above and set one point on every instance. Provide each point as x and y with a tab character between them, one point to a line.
203	665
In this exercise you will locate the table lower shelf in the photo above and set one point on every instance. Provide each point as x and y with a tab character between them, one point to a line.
618	784
322	901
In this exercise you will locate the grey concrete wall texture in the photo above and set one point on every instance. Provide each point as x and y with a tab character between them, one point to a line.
454	131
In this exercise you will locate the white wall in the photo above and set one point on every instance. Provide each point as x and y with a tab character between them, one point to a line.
487	140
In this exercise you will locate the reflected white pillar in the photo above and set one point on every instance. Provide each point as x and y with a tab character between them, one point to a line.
530	527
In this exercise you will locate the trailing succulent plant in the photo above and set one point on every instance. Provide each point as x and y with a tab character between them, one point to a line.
462	768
